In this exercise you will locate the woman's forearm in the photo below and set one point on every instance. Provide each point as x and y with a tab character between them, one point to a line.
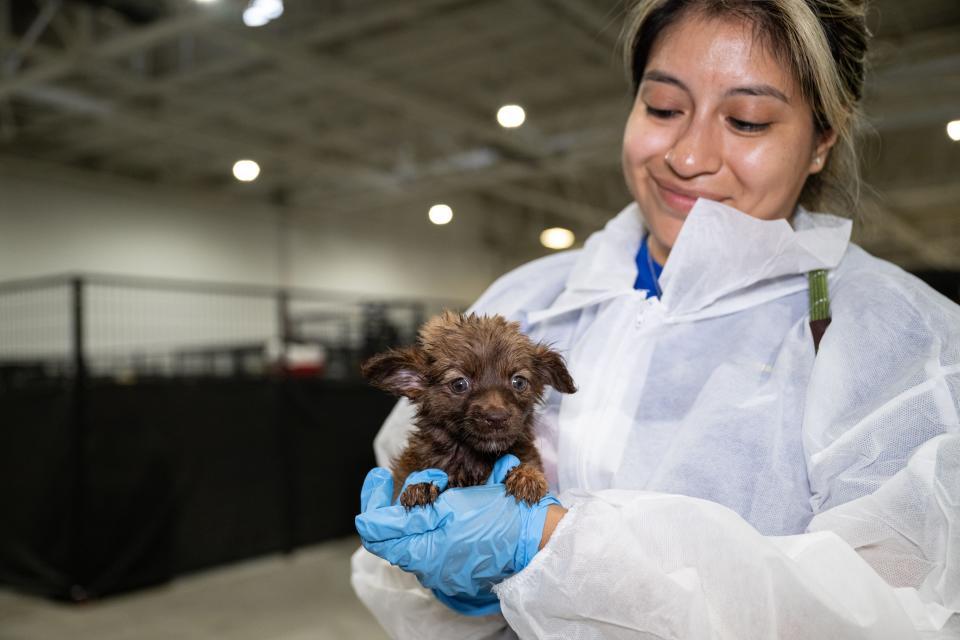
555	513
638	564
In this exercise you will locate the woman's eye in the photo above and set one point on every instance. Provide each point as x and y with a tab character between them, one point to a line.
460	385
748	127
519	383
662	114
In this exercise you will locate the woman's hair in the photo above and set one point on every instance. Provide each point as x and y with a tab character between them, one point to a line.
822	42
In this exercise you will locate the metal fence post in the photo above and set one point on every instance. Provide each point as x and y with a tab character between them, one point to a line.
79	576
287	462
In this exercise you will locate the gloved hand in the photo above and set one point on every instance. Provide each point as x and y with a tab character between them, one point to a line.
469	539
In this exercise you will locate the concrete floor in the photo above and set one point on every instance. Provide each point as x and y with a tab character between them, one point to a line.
304	595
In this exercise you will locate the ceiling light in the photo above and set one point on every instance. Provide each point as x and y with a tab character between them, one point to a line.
254	18
556	238
246	170
511	115
273	9
260	12
953	130
440	214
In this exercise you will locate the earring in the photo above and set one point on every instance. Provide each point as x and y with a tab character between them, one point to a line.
817	159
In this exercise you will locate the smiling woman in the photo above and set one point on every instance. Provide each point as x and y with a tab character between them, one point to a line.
722	471
820	45
724	112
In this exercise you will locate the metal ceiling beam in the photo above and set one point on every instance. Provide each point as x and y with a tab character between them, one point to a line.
600	28
65	31
599	153
134	40
890	120
369	87
467	48
190	111
297	164
566	152
903	68
348	25
14	58
8	123
6	14
924	71
555	126
309	66
915	47
385	14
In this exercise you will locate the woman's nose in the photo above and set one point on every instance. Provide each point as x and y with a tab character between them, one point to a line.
695	151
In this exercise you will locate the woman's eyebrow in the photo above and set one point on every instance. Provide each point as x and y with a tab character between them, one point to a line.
750	90
659	76
759	90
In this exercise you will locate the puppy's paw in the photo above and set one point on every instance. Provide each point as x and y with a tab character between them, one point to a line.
526	482
418	495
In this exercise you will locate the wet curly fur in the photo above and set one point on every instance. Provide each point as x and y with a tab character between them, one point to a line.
476	382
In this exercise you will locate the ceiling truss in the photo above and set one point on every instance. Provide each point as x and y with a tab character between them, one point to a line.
343	127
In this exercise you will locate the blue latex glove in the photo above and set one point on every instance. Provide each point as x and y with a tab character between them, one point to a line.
469	539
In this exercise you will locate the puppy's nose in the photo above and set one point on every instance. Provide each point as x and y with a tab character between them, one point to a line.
496	416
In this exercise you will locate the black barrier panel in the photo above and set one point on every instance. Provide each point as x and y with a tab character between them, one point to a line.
946	282
332	452
36	489
177	476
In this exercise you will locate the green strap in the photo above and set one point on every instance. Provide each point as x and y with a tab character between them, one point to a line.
819	295
819	306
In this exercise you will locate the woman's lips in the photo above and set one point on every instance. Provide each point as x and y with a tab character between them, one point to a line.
681	200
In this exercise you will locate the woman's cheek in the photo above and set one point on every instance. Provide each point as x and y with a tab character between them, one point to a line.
643	144
766	176
632	142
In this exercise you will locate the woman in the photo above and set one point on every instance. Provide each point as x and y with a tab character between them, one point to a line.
724	472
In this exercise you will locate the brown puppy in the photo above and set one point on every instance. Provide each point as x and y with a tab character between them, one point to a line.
476	382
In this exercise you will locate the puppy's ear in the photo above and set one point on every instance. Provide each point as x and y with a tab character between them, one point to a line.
550	367
398	371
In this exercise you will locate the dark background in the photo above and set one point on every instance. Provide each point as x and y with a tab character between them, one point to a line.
171	476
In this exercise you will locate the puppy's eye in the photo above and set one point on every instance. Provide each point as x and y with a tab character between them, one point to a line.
519	383
460	385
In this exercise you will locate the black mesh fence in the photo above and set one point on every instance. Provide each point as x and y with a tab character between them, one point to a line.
129	329
36	341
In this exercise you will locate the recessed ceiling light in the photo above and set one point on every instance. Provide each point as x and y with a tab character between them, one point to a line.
953	130
556	238
246	170
254	18
511	115
440	214
260	12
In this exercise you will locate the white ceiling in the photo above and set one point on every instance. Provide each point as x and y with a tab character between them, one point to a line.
354	106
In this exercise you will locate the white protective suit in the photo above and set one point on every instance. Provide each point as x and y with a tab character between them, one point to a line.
722	480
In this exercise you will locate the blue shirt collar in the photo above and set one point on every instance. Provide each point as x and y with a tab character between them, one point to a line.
648	270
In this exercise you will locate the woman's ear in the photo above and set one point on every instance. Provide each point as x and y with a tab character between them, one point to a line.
398	371
550	367
824	143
